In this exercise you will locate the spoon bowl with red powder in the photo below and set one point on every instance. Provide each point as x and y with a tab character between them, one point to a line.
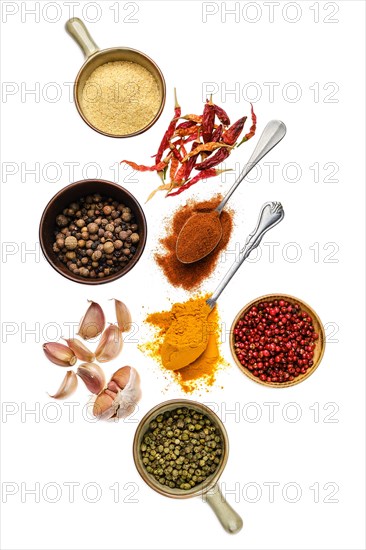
199	237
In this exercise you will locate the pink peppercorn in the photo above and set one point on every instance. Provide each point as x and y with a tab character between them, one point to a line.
275	341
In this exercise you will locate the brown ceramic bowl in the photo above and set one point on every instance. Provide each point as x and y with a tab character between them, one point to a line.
319	347
72	193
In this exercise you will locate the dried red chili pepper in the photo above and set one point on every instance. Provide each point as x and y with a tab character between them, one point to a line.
176	152
186	168
174	163
183	150
211	146
179	176
193	118
232	134
210	173
163	187
222	115
216	136
182	132
253	127
191	163
217	133
170	131
186	124
141	168
208	121
218	157
212	142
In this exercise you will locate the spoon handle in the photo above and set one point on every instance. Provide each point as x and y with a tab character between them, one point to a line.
270	215
271	135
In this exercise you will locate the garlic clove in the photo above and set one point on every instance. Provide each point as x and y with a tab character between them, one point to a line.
113	387
130	395
104	407
80	350
92	376
121	377
59	354
110	344
93	322
68	386
120	397
123	315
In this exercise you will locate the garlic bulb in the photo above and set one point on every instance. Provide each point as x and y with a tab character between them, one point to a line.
80	350
59	354
110	344
123	316
93	322
92	376
121	395
68	386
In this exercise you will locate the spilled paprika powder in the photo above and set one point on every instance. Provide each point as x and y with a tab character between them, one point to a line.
190	276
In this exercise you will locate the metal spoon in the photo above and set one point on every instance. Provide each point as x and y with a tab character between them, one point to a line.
271	136
270	215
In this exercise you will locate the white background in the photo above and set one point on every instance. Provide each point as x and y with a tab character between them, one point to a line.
328	128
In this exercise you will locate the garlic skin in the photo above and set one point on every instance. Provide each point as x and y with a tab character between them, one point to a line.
120	397
123	315
59	354
92	376
110	344
68	386
93	322
80	350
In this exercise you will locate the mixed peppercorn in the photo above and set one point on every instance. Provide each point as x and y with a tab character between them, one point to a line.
207	135
275	341
96	236
181	448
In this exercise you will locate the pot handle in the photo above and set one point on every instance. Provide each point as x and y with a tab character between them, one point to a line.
229	519
76	28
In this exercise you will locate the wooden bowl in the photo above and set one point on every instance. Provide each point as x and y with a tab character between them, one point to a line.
319	345
72	193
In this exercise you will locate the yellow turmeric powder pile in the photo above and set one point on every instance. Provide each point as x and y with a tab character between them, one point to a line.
187	342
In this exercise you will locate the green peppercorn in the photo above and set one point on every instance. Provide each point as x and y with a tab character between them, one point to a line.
179	459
